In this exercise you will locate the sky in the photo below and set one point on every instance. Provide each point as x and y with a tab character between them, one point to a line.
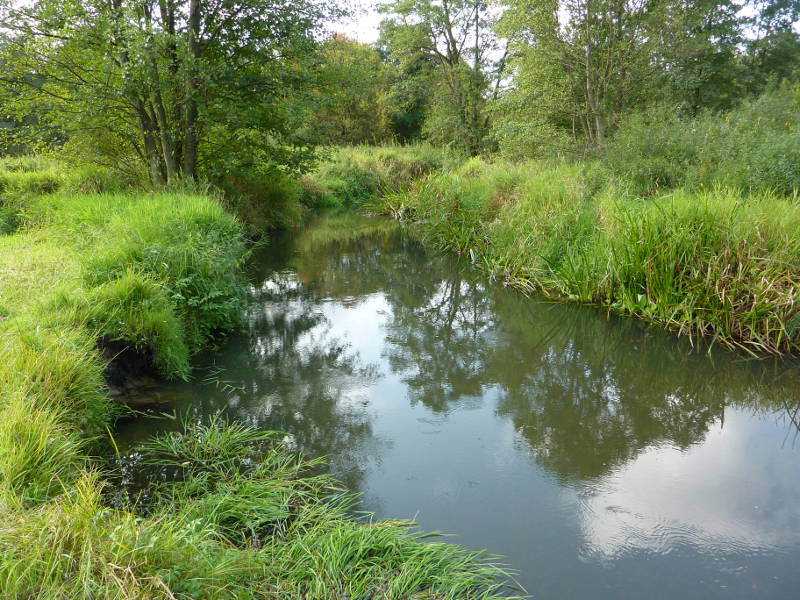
363	25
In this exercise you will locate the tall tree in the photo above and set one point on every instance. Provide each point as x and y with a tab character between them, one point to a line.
580	63
353	83
697	51
457	37
177	84
773	52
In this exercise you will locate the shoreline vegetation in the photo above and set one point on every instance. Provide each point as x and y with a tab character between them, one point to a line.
688	223
94	273
103	280
714	264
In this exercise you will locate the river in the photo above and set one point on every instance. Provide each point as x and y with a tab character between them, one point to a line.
603	458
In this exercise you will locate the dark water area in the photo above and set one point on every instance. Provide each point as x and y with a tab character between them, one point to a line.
603	458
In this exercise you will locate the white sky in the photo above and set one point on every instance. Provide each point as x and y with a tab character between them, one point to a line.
363	25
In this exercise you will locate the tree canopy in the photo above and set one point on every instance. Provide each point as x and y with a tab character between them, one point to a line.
179	85
187	88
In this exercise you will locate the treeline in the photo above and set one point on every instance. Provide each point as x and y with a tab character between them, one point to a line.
234	91
538	79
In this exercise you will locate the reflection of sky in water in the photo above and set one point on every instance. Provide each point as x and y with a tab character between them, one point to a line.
724	495
729	494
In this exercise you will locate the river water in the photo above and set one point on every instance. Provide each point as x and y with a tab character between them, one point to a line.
603	458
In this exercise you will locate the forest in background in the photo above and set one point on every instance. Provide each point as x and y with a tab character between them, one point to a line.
238	92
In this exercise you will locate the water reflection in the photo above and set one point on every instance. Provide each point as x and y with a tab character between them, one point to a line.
666	499
586	444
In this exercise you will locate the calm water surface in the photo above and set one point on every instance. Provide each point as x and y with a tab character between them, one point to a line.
603	458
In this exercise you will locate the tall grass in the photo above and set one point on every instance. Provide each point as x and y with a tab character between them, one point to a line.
231	514
712	263
355	176
159	274
754	147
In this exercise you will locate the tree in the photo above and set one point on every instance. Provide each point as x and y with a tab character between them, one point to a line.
178	85
350	96
455	37
410	86
697	52
579	64
773	54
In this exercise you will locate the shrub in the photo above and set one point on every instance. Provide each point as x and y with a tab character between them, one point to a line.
755	147
264	199
355	176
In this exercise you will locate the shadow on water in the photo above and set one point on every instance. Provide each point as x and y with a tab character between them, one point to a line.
416	377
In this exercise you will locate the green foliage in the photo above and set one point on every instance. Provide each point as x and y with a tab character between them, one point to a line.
57	371
580	67
354	177
38	453
24	178
351	109
264	198
170	89
447	52
754	148
160	273
709	263
132	308
188	245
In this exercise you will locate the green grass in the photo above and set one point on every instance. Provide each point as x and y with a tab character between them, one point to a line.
354	176
241	517
158	273
232	514
714	263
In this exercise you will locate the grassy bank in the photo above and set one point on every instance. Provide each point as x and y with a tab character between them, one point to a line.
715	263
350	177
148	279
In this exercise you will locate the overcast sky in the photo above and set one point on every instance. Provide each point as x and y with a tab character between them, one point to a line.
363	25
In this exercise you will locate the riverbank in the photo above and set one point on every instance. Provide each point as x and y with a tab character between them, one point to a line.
716	263
143	281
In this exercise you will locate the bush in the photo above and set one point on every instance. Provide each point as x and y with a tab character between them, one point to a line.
264	199
355	176
755	147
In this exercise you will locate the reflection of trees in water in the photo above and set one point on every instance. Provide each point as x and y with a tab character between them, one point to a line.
293	375
348	258
439	346
586	393
591	396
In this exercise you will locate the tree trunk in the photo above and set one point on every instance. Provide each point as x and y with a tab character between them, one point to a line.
154	164
191	114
